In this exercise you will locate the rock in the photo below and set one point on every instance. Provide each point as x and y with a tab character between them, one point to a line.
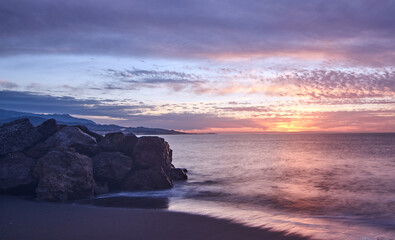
65	170
178	174
152	152
60	126
101	187
129	142
47	128
64	175
16	174
119	142
111	167
38	151
18	135
67	137
97	136
148	179
112	142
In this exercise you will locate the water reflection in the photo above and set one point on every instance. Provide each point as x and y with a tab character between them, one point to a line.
328	184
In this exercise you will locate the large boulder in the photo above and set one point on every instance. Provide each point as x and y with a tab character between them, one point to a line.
148	179
112	142
97	136
64	175
129	142
16	174
47	128
67	137
17	136
151	152
111	167
118	142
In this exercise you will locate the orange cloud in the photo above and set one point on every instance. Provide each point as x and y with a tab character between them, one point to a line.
336	121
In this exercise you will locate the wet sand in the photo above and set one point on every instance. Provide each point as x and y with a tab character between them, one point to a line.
27	219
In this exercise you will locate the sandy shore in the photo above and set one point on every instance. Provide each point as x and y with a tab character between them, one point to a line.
26	219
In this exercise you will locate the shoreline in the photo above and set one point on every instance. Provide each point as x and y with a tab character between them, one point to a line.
27	219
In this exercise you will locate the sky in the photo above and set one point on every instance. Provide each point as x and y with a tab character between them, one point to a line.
203	66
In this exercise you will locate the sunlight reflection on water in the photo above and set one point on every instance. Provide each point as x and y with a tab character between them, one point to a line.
330	186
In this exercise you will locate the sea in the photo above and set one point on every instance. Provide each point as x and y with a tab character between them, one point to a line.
327	186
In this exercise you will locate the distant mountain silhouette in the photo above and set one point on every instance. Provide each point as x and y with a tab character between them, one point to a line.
36	119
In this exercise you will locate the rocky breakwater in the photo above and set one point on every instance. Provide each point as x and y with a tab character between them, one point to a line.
58	163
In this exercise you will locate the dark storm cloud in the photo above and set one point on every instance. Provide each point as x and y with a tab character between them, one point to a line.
361	31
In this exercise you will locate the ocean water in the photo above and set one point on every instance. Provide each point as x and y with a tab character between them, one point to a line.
328	186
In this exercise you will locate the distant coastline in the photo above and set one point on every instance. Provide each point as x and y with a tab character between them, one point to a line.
7	116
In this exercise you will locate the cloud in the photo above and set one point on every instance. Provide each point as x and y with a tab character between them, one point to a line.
355	121
191	121
246	109
357	31
136	79
151	76
322	84
125	115
8	85
378	120
39	103
139	114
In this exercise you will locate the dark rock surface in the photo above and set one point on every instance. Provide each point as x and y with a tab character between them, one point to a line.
152	152
118	142
18	135
16	174
178	174
111	167
59	163
148	179
112	142
66	137
64	175
129	142
97	136
47	128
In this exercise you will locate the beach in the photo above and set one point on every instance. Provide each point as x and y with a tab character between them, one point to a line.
22	218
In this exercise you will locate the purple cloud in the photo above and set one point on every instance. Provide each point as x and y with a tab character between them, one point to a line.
322	84
358	31
40	103
7	84
136	79
134	115
137	114
355	121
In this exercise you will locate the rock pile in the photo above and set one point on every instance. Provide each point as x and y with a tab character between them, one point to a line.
59	163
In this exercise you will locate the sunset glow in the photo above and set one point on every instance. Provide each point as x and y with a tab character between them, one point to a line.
209	119
184	67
